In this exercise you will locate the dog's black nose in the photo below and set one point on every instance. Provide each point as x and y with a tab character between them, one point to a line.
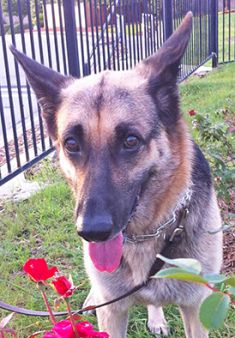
96	229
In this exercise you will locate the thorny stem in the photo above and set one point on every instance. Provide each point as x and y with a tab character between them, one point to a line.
44	296
71	317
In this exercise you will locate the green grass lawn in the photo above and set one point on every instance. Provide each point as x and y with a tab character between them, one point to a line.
43	225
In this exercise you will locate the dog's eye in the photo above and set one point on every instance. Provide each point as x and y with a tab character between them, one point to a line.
131	142
71	145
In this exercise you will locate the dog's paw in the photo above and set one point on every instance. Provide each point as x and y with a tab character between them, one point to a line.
158	329
157	323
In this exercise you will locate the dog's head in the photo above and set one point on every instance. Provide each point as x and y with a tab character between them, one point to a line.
112	132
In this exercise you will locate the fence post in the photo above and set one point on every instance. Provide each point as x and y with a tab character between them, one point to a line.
214	32
167	19
71	37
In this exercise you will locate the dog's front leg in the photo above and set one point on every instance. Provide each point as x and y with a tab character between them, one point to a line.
113	320
192	325
157	323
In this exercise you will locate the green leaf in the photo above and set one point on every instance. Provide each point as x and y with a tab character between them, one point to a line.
180	274
214	310
232	290
230	281
188	264
214	278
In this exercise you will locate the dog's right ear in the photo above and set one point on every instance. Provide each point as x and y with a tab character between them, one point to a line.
47	85
163	66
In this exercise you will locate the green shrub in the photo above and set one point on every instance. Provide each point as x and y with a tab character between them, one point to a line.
218	143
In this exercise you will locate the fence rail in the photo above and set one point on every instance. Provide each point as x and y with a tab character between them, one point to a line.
83	37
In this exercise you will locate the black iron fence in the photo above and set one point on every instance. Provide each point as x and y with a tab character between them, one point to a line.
83	37
226	31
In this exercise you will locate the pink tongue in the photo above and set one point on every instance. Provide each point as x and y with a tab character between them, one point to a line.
106	256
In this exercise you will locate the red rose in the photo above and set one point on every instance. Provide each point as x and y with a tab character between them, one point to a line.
63	286
64	329
84	329
192	112
37	269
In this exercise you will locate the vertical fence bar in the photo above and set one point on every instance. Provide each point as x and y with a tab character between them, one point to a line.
121	34
87	69
128	16
32	117
55	35
41	128
214	32
81	39
233	8
229	30
19	90
200	29
152	30
93	54
62	37
97	47
4	132
167	19
145	30
108	64
133	30
139	13
28	90
158	26
102	33
209	25
47	33
9	85
113	18
116	34
161	30
71	37
39	30
137	30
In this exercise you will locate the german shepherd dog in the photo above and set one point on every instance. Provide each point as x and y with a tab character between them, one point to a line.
132	165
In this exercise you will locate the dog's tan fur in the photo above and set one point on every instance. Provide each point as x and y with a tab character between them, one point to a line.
106	178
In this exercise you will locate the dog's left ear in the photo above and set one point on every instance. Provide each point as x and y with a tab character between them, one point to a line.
47	85
161	73
164	64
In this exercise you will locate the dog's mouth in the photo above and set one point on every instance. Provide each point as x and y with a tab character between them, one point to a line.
106	256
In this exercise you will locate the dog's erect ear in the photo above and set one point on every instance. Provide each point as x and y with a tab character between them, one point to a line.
161	72
46	84
164	64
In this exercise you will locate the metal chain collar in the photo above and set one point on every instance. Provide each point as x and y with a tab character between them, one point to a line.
181	204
